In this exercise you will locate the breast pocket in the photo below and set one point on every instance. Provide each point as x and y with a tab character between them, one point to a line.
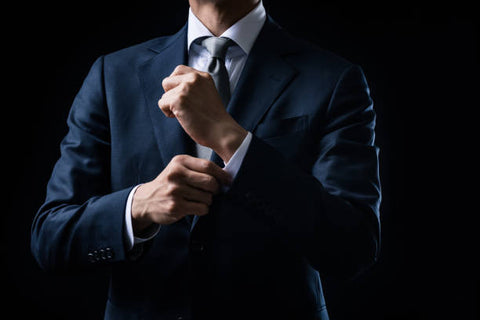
280	127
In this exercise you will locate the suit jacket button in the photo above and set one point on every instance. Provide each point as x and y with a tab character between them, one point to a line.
91	258
97	255
101	254
108	253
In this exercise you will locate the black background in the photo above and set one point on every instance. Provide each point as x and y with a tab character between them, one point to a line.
421	63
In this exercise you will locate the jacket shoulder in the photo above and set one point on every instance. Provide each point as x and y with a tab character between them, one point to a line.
317	57
307	56
137	54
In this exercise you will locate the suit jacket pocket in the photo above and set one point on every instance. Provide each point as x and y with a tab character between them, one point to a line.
280	127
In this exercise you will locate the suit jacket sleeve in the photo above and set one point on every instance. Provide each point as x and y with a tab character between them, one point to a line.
81	220
331	213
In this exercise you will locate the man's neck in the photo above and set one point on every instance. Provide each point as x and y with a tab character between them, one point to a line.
219	15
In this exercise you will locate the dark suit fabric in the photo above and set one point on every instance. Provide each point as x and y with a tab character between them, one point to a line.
304	204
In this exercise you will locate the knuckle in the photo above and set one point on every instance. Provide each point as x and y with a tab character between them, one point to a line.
164	82
195	77
178	68
178	159
206	165
173	165
174	171
175	112
171	206
162	103
184	87
173	176
172	189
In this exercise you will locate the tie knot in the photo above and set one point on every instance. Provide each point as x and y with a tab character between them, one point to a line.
217	47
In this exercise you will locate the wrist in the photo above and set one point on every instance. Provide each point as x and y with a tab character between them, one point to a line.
229	139
140	217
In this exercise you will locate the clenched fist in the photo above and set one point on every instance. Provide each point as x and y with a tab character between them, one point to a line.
191	97
185	187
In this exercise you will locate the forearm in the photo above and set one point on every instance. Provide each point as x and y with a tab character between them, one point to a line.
67	235
338	236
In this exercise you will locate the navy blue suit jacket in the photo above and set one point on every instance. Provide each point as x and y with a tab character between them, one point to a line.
304	204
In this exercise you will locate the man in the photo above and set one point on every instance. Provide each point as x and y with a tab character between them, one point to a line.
184	238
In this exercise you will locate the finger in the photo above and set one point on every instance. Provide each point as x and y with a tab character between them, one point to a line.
209	168
190	193
173	81
187	76
202	181
165	107
182	69
180	209
166	102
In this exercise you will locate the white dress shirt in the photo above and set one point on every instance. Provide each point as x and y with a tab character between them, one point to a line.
244	33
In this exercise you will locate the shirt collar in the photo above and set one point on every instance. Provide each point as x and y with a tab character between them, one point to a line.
244	32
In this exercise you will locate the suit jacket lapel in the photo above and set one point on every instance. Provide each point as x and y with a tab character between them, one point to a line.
171	138
265	76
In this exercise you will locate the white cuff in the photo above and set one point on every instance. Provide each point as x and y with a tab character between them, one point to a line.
130	238
233	166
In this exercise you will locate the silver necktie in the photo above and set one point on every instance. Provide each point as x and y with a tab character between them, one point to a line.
217	47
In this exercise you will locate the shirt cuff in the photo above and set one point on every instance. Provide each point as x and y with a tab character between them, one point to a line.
233	166
130	239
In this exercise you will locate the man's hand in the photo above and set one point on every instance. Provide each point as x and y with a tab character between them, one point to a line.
191	97
185	187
